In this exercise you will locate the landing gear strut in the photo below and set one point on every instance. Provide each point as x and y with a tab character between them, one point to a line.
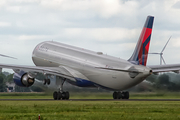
61	94
121	95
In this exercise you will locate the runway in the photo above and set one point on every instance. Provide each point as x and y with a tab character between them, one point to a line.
91	100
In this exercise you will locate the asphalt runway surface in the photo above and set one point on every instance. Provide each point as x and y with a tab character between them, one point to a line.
91	100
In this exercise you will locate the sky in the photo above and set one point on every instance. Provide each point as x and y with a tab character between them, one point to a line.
110	26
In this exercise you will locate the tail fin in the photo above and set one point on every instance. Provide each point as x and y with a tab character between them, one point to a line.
141	51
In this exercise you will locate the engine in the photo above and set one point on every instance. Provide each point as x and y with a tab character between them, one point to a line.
23	79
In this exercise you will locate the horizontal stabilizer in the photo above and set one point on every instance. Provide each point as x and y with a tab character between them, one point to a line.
165	68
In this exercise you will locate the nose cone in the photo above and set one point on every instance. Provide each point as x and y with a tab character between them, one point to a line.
36	53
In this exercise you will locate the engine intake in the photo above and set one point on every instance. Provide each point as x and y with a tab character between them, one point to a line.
23	79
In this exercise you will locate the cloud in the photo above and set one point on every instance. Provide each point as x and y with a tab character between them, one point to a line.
104	8
5	24
15	9
110	26
176	5
31	37
101	34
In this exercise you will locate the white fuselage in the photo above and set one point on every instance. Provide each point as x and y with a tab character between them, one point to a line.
53	54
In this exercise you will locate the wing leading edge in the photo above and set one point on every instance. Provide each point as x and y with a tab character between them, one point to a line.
59	71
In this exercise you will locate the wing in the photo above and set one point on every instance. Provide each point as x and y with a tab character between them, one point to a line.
165	68
59	71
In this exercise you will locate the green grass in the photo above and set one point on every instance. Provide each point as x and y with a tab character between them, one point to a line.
89	110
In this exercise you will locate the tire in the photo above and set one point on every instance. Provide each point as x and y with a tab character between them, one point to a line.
44	81
55	95
59	95
123	95
48	81
115	95
119	95
126	95
63	95
67	95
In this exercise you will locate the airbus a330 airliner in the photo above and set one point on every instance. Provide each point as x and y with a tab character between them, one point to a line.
85	68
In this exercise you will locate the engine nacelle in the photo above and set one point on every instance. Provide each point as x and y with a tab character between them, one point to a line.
23	79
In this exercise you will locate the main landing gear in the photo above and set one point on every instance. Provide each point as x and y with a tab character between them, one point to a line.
61	94
46	81
121	95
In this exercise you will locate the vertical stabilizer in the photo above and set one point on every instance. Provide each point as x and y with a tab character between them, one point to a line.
140	54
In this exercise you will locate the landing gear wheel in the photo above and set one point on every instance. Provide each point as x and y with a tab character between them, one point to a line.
44	81
115	95
59	95
48	81
67	95
119	95
55	95
63	96
125	95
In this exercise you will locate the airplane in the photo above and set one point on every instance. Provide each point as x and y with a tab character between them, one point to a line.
86	68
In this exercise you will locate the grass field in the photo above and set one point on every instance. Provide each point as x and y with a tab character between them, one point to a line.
90	110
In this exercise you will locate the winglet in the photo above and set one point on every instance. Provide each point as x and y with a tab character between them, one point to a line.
140	54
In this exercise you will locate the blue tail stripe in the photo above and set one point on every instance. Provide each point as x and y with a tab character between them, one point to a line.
149	22
144	45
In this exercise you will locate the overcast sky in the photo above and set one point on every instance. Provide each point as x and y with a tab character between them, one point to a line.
110	26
